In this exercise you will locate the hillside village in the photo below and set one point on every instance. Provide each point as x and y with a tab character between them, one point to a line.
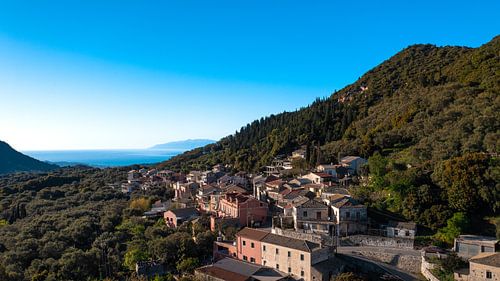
279	226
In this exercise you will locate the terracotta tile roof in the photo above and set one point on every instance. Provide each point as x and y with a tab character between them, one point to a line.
221	273
252	233
313	204
288	242
491	259
347	202
277	182
186	212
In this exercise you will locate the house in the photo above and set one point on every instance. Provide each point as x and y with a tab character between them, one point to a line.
300	181
235	270
176	217
208	177
244	207
292	256
468	246
233	188
353	164
337	171
259	185
312	217
401	229
482	267
157	209
351	216
316	188
133	175
318	177
203	198
236	179
185	190
248	244
299	153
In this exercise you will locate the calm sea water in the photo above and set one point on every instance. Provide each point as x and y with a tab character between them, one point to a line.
104	158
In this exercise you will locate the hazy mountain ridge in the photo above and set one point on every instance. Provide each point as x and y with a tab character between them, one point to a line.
12	161
184	144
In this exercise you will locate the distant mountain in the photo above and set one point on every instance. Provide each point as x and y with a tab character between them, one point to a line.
13	161
184	144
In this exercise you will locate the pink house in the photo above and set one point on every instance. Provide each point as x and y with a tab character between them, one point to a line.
244	207
248	245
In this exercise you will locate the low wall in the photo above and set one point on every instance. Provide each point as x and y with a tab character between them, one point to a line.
404	262
377	241
426	270
358	265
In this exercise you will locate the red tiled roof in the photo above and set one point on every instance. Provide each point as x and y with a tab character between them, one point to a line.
222	273
251	233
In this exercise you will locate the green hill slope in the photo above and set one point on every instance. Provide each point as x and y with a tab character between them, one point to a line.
424	103
13	161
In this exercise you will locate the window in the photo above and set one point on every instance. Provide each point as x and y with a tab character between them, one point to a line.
289	269
264	248
265	262
277	251
318	215
305	214
245	258
396	232
347	215
277	266
301	257
407	233
244	243
252	260
289	254
252	245
302	273
488	275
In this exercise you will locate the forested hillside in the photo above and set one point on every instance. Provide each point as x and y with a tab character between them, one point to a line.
424	103
13	161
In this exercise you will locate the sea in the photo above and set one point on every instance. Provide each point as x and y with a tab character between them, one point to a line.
103	158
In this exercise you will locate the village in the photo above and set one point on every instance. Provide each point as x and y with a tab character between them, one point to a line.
279	226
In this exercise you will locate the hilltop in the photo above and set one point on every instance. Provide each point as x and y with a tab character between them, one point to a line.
425	103
12	161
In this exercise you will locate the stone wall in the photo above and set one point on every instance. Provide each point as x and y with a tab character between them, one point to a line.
404	262
377	241
426	270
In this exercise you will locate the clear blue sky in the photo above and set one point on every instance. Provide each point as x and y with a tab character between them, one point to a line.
130	74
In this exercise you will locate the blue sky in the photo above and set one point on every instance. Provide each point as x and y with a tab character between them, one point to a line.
130	74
